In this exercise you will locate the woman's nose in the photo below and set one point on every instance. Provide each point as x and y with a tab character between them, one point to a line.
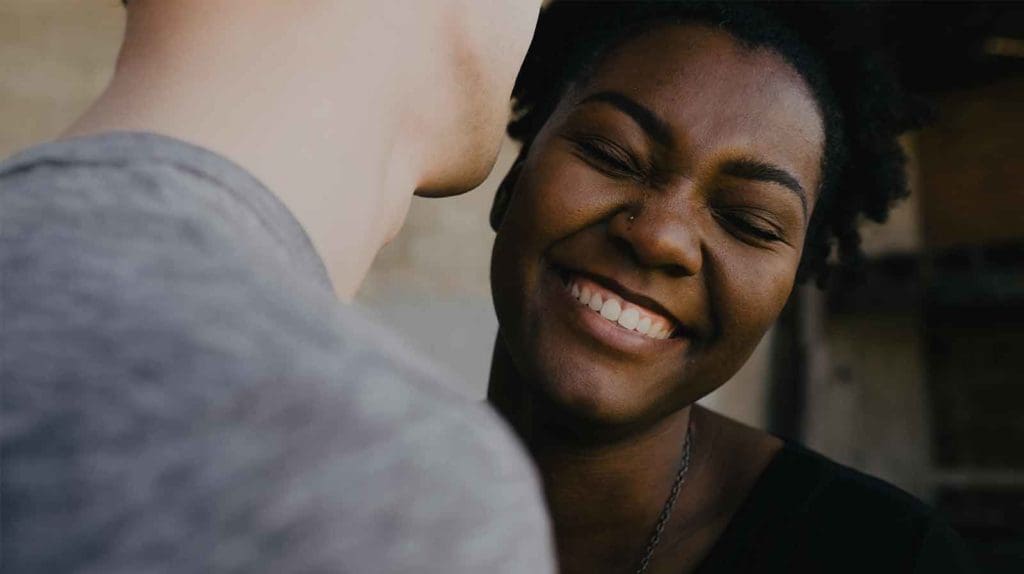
665	237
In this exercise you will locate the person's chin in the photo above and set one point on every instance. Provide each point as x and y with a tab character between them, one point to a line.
589	396
467	169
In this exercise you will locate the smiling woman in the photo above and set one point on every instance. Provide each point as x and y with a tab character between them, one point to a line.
682	166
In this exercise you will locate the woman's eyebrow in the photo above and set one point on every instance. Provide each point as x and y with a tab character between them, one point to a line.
657	128
747	168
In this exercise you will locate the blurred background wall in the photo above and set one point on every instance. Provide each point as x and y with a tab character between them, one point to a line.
913	374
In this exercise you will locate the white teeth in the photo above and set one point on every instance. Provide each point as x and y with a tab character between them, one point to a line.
644	326
611	310
628	319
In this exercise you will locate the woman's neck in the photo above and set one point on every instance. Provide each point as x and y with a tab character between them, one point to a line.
605	499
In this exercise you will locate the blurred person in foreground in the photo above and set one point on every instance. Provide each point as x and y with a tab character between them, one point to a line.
182	391
683	164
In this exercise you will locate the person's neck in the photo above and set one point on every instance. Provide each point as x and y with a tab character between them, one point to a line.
604	494
338	151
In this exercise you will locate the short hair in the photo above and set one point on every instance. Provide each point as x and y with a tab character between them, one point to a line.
863	104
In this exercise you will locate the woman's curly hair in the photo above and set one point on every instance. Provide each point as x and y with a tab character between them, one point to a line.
863	105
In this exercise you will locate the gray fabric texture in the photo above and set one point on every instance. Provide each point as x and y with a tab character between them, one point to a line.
181	392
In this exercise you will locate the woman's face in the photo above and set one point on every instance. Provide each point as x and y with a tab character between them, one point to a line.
656	224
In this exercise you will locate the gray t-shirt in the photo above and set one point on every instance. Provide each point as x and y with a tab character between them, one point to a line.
181	392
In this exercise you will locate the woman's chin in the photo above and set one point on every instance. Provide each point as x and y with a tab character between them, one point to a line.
586	401
592	397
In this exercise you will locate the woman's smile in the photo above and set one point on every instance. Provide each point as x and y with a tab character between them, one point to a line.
616	318
613	307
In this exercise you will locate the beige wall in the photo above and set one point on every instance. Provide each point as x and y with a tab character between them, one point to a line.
55	57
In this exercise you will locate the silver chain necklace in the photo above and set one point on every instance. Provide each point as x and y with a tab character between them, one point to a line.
666	511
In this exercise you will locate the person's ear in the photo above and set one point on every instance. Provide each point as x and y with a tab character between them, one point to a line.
504	193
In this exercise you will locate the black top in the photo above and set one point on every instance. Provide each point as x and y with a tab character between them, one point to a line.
809	514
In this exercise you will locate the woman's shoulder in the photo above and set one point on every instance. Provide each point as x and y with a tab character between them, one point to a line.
817	484
796	481
813	514
807	513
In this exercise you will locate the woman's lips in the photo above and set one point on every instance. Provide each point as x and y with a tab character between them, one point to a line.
617	310
599	327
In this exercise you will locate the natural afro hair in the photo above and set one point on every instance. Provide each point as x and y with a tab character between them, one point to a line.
862	103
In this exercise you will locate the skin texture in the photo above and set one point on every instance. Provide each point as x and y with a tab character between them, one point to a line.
343	108
713	241
488	41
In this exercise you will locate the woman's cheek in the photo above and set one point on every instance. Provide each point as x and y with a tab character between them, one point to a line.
754	287
568	194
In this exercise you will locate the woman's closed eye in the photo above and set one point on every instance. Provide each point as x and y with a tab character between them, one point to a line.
750	224
608	157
